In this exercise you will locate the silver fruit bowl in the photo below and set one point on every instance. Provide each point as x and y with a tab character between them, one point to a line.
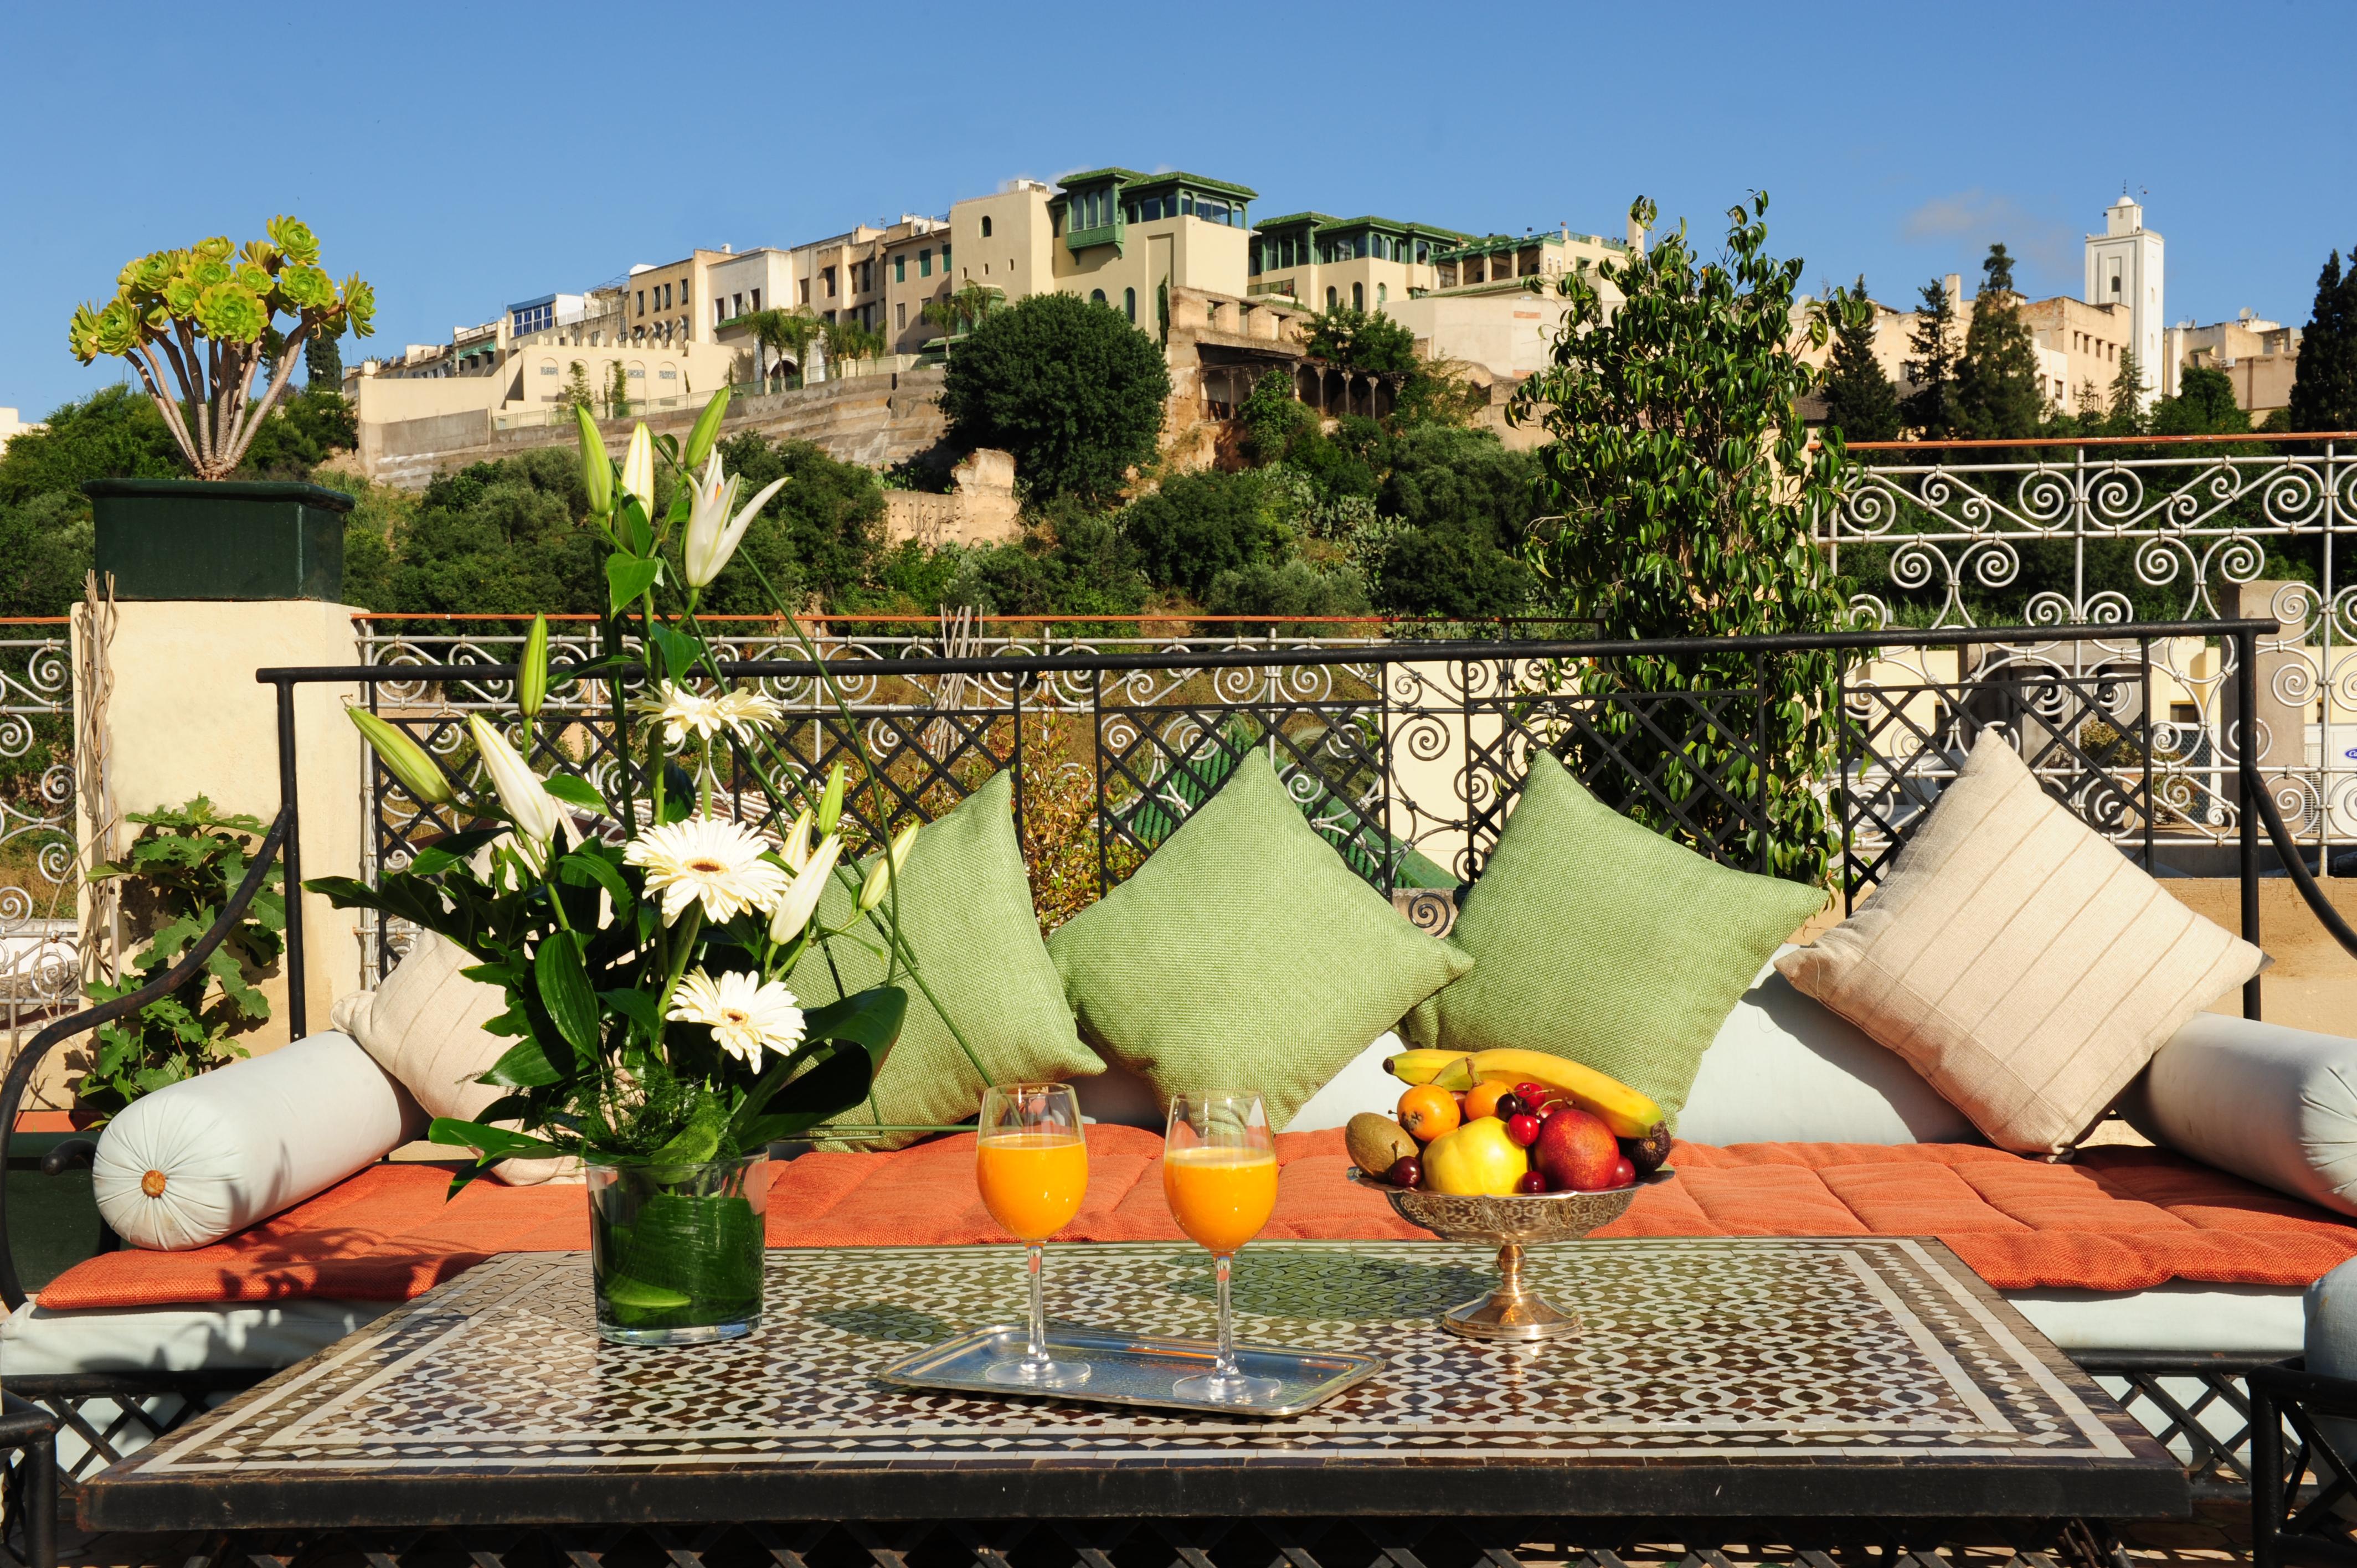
1513	1311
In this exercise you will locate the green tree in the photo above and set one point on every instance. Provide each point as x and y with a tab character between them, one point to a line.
1931	408
1457	509
1295	587
1198	526
1361	340
2324	384
1685	482
299	435
323	363
2125	416
2204	405
1073	560
786	333
45	551
114	433
847	341
577	392
1996	383
618	393
504	538
1860	401
954	313
1072	389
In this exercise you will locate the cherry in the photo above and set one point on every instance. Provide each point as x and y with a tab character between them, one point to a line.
1522	1128
1534	1094
1510	1106
1623	1173
1531	1182
1407	1171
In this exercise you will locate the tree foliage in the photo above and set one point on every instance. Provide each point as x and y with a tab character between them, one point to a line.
1860	401
2324	385
1996	383
1931	408
1067	386
1357	339
1684	481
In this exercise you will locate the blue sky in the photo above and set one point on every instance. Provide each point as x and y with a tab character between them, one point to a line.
464	155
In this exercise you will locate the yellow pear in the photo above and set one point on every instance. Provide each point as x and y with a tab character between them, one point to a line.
1476	1160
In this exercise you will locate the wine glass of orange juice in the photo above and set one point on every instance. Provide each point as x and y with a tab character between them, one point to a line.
1218	1171
1033	1168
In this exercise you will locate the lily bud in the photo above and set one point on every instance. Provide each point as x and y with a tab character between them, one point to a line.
830	804
597	467
888	865
638	468
801	902
404	759
706	431
797	850
535	812
531	681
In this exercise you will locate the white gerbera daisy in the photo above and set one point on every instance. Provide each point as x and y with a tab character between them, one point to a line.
747	1018
745	711
711	860
682	711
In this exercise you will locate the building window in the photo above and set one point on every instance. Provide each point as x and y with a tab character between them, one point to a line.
925	262
945	260
900	269
1358	297
1096	297
900	317
1129	305
686	285
643	301
986	227
828	273
1330	297
1382	292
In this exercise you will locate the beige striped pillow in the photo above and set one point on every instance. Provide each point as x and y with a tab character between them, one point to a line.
2018	960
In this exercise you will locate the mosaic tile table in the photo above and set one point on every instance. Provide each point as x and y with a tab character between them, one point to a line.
1836	1379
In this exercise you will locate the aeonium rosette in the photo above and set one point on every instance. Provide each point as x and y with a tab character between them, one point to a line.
645	932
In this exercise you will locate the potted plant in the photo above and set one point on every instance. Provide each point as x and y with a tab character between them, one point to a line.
200	325
644	937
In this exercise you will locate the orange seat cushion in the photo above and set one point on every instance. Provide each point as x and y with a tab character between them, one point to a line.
2118	1219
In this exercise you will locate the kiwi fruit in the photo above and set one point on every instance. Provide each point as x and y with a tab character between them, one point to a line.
1377	1143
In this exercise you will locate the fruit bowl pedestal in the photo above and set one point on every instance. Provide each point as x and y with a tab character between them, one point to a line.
1513	1311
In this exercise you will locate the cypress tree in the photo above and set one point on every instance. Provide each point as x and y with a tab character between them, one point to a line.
1996	384
2324	386
1860	401
323	363
2127	416
1932	407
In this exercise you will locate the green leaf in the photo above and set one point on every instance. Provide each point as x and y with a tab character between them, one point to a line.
491	1143
871	1018
627	578
637	1294
676	651
523	1065
565	990
582	867
575	791
637	1007
860	1029
696	1142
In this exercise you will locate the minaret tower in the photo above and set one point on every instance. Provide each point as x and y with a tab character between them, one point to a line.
2124	268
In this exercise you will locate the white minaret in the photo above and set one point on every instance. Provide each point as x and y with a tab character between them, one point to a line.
2124	267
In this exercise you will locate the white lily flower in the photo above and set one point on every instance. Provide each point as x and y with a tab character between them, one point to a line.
713	533
796	850
638	468
888	865
746	1015
537	814
801	902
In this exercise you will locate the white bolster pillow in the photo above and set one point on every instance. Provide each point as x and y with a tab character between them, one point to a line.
210	1156
2274	1104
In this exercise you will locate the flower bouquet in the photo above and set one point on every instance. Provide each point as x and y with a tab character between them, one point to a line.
644	940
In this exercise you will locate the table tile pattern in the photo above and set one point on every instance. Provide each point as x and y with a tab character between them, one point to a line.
1739	1348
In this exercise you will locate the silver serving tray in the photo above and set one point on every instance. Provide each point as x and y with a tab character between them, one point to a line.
1126	1370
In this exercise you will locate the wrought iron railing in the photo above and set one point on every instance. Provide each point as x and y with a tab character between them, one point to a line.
2123	532
41	869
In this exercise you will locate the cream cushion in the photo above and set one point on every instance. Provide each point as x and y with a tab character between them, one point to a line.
2022	964
424	1027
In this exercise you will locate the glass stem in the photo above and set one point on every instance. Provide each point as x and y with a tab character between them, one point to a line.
1225	1367
1036	1352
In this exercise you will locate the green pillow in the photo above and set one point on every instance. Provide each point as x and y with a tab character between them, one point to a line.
1244	954
965	909
1597	938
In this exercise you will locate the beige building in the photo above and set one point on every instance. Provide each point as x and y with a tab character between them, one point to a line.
661	304
2260	357
2077	345
11	427
1365	263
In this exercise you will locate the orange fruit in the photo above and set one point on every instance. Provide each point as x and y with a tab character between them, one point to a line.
1482	1099
1427	1113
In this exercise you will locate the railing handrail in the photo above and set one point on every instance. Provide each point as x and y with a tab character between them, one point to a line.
20	1071
1386	653
2002	441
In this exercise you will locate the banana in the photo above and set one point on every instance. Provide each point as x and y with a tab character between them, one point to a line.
1628	1113
1448	1070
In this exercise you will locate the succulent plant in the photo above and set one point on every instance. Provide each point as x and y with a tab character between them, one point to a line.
228	299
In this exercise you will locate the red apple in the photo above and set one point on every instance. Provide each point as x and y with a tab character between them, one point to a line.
1576	1151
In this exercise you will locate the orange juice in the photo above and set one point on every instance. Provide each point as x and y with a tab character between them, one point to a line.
1032	1183
1220	1198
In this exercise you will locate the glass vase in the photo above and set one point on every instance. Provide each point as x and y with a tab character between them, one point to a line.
675	1250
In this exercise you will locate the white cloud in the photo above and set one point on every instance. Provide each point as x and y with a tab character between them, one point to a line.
1975	218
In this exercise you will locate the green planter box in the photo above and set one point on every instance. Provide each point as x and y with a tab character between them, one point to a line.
191	539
